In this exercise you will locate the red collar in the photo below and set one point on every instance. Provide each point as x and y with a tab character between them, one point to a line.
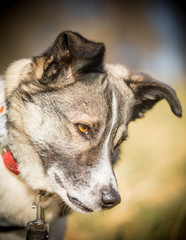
10	163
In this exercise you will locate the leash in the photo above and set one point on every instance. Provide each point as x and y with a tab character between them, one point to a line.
5	226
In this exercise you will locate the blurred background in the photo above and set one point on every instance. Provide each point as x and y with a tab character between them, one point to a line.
148	36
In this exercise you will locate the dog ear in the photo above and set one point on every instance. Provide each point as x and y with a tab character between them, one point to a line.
71	50
147	92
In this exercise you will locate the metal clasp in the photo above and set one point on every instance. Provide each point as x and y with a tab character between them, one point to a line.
38	228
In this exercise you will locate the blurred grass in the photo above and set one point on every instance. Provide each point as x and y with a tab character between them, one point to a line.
151	175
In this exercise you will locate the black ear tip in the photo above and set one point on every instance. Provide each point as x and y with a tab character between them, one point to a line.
175	104
178	112
79	46
102	48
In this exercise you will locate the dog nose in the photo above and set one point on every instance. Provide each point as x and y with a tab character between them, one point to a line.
110	199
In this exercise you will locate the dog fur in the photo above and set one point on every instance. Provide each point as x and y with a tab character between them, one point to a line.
47	97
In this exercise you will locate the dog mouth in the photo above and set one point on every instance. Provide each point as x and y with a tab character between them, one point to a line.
78	204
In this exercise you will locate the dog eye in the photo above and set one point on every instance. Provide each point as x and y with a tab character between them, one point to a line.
120	142
83	128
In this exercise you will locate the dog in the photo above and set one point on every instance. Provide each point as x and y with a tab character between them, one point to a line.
64	115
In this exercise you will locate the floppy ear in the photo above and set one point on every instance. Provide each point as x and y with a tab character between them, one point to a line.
70	49
147	92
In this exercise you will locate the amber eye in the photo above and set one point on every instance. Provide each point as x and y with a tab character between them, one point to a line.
82	128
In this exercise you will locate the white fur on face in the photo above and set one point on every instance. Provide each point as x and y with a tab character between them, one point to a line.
104	172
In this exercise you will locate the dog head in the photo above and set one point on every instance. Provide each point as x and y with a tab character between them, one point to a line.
67	115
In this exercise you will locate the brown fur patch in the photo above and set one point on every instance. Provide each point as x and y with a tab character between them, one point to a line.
38	66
